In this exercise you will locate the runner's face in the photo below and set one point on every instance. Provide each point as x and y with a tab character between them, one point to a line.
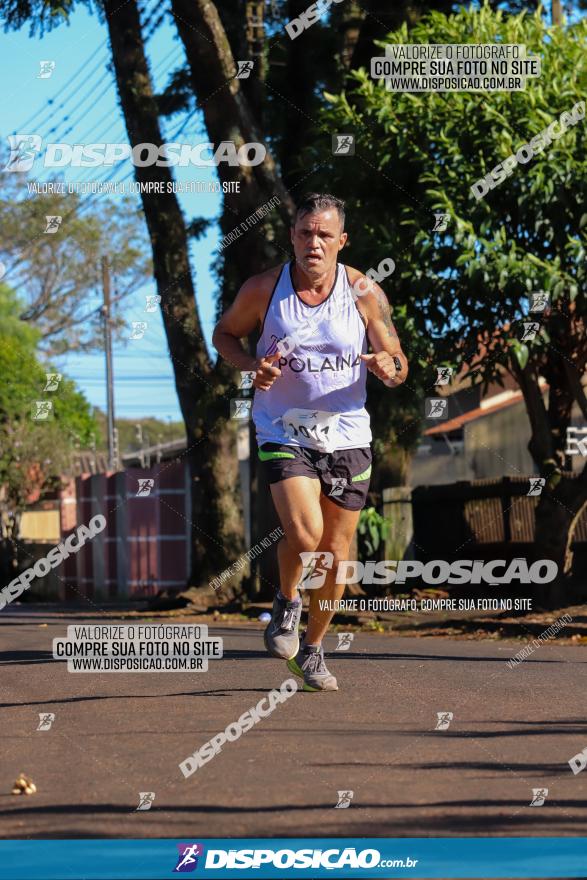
317	239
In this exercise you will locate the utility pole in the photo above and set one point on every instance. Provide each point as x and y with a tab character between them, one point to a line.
141	442
557	12
112	445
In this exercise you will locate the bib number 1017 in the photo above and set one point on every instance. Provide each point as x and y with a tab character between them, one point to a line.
310	432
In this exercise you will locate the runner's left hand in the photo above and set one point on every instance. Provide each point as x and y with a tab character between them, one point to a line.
382	365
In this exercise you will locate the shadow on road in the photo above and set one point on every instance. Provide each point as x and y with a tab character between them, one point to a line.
218	692
452	821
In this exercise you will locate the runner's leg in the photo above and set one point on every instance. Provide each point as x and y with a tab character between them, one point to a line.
297	501
338	531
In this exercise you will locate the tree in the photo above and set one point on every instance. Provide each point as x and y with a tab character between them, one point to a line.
229	116
203	390
136	434
233	110
34	452
57	274
467	290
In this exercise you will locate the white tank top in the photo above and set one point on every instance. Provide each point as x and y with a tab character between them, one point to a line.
322	388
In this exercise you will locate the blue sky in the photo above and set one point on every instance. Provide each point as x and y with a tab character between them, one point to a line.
142	368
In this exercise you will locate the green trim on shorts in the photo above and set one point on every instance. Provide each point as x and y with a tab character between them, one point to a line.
364	476
269	456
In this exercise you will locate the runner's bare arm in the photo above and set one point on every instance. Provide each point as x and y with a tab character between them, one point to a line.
376	312
242	317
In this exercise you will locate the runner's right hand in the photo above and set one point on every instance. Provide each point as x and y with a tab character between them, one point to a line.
266	373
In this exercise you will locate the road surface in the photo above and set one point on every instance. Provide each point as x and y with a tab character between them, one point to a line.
115	735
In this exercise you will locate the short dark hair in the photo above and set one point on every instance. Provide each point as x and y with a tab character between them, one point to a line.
312	202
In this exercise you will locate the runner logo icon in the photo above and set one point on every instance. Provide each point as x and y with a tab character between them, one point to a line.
343	144
440	222
314	570
23	151
146	799
444	719
443	375
344	800
539	301
145	486
46	719
531	328
188	857
539	795
537	484
436	408
244	69
338	486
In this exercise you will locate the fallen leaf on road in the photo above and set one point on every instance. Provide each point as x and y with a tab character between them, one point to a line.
24	785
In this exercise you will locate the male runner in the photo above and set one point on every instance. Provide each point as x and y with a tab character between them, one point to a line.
309	410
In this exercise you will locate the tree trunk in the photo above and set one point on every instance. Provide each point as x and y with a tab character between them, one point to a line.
298	95
226	110
557	515
9	548
229	117
557	12
563	498
202	391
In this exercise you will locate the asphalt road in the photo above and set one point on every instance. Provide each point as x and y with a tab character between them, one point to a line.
116	735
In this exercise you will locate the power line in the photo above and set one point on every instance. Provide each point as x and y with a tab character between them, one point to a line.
86	201
66	101
96	101
175	51
80	103
123	137
51	101
158	66
64	88
192	117
108	113
151	23
85	136
178	53
161	407
93	378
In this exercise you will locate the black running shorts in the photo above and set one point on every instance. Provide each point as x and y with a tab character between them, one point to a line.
344	475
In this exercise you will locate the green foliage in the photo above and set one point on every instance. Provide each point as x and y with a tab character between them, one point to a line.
58	276
198	227
10	323
41	15
372	529
419	153
33	453
154	431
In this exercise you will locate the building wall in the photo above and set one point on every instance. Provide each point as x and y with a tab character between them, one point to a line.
145	546
40	525
494	445
497	445
437	467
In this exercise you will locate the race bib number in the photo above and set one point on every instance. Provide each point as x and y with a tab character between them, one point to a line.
311	427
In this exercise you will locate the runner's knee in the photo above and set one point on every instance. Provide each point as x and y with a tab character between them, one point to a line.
340	550
303	537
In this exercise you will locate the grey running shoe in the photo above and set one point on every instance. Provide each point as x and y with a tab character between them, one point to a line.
309	664
281	635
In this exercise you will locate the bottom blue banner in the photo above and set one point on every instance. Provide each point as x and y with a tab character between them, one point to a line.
407	857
